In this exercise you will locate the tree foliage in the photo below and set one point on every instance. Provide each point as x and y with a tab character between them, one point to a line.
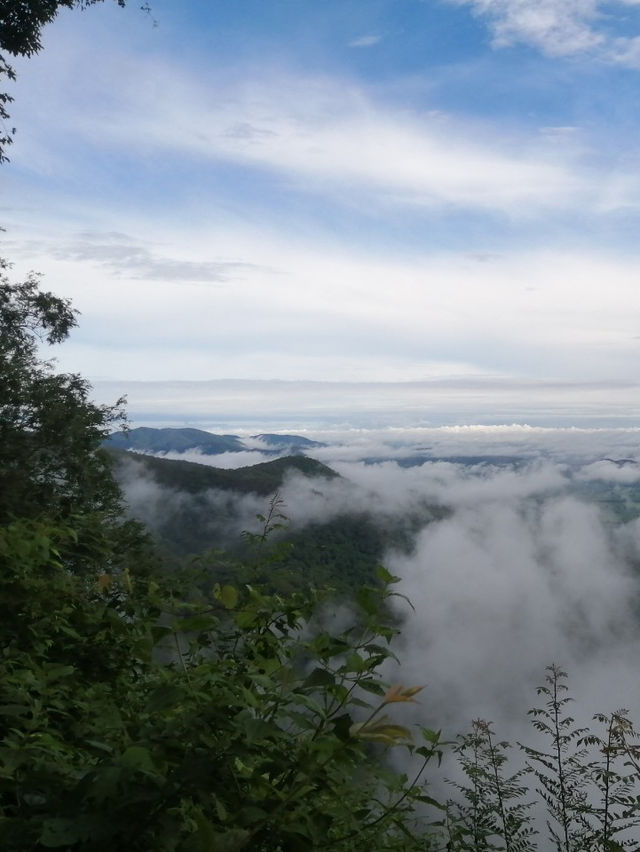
50	431
255	730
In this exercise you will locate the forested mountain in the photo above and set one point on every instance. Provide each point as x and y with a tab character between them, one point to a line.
263	478
145	439
196	508
289	442
151	440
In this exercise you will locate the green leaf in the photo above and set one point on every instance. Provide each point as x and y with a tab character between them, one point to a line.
195	624
368	600
139	759
164	696
430	736
229	597
342	727
100	746
385	576
251	815
319	677
60	832
371	685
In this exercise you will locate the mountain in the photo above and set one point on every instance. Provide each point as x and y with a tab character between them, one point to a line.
147	440
264	478
144	439
295	443
190	508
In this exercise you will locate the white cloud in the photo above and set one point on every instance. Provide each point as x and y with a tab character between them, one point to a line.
365	41
224	461
205	290
502	590
346	316
335	139
583	446
607	470
327	135
559	27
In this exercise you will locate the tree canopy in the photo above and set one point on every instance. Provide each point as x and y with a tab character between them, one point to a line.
50	432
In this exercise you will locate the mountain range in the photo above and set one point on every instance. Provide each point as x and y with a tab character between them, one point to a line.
145	439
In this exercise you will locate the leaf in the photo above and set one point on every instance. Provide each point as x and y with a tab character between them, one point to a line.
371	685
430	736
251	814
100	746
139	759
230	841
319	677
368	600
385	576
164	696
55	672
60	832
342	727
382	731
229	597
257	729
397	692
429	800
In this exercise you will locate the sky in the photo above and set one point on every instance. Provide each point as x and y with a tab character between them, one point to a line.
350	212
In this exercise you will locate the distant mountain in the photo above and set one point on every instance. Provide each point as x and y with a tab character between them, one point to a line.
416	460
289	442
147	440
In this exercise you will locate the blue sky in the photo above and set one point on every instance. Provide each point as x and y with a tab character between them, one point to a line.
358	191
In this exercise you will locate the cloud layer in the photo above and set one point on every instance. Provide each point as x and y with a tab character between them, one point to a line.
525	568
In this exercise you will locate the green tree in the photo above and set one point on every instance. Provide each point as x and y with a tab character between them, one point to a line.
50	431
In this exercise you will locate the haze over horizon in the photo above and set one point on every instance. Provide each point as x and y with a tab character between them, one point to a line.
440	197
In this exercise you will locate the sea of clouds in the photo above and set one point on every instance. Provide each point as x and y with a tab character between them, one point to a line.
524	569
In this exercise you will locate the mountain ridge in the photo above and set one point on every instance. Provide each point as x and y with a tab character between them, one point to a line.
148	439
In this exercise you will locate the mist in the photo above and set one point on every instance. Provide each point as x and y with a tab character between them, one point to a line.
521	567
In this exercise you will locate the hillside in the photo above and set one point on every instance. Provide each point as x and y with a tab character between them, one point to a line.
149	440
191	508
191	477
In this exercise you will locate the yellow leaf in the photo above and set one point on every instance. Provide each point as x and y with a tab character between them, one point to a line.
398	692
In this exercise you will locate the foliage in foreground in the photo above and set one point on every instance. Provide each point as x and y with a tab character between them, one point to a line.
133	720
136	714
576	791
